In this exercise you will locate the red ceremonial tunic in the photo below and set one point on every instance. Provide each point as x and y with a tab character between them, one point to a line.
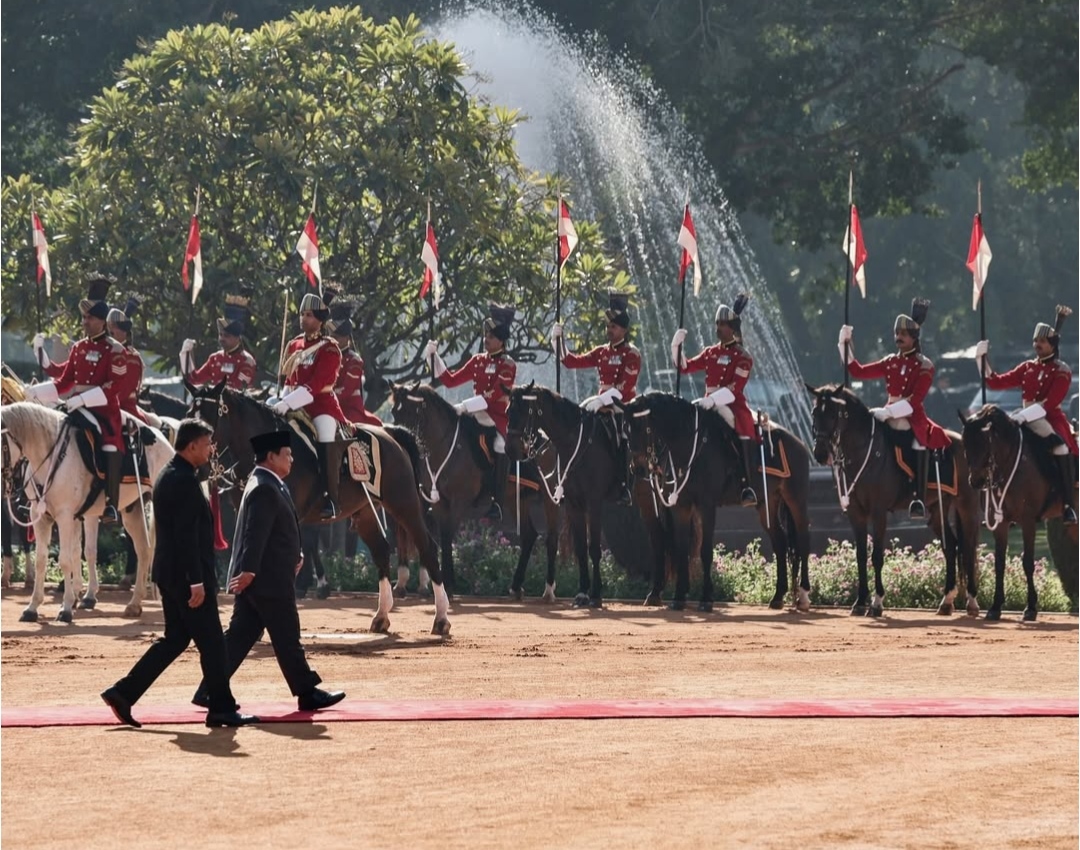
727	365
907	376
127	379
493	377
1044	382
617	366
93	363
236	368
349	389
318	371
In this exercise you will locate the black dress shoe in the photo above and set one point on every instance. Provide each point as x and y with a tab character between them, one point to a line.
319	699
201	699
231	719
120	706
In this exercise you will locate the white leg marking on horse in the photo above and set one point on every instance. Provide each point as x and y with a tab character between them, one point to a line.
879	601
425	579
386	596
549	592
803	603
402	577
442	602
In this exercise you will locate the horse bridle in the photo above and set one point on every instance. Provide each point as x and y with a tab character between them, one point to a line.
219	472
995	501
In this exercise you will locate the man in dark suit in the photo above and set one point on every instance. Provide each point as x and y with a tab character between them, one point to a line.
184	573
266	558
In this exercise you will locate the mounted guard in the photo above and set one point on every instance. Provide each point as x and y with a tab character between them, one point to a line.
492	372
1044	381
128	368
349	388
908	375
89	380
233	363
617	365
727	367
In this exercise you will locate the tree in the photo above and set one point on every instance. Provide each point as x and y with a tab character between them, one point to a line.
377	118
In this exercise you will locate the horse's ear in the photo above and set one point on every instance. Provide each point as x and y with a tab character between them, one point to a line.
962	415
218	387
814	391
190	387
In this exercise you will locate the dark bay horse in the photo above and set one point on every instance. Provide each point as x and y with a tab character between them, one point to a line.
1021	484
688	456
236	418
453	480
578	458
163	404
847	436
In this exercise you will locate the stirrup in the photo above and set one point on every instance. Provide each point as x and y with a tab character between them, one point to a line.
625	498
109	516
329	510
494	513
916	510
1068	515
749	498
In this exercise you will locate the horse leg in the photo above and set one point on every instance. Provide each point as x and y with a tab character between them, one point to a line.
778	538
526	543
596	596
1001	549
578	535
1031	610
411	519
708	526
968	535
799	524
42	535
70	562
551	544
949	547
446	546
368	528
860	529
135	525
681	532
90	553
658	544
877	606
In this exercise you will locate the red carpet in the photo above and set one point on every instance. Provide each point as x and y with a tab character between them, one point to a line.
567	709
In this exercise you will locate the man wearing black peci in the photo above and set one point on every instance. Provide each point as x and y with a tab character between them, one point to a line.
266	558
184	573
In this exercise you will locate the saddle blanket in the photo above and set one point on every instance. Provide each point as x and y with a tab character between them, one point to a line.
361	460
905	459
88	441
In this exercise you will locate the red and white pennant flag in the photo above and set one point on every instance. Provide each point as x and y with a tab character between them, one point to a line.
430	256
41	247
308	249
567	233
688	242
193	255
855	249
978	260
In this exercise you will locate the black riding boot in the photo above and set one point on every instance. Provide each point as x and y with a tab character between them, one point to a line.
749	450
329	472
1068	482
622	469
114	463
917	508
498	487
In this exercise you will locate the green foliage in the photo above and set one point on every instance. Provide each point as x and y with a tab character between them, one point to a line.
377	119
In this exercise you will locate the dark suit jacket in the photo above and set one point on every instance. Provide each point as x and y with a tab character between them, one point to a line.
267	539
184	551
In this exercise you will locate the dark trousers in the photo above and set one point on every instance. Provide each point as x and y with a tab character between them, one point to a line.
183	625
251	615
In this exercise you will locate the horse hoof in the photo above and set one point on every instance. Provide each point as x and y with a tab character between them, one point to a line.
972	609
596	603
132	611
875	611
441	627
517	594
776	603
858	610
88	604
581	601
1030	614
945	609
64	617
322	591
802	606
380	625
705	605
28	617
993	615
653	600
548	598
677	605
400	592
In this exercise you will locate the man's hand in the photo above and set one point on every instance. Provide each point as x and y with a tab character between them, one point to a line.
198	594
299	566
240	582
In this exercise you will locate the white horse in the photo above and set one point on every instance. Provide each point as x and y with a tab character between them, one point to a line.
58	484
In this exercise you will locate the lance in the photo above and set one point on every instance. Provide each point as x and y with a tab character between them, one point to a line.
37	287
982	298
682	313
558	297
848	235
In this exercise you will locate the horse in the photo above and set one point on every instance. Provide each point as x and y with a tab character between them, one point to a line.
59	486
576	450
871	484
235	418
1014	469
670	436
455	477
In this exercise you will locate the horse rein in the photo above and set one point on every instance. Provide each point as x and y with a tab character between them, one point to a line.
219	472
652	459
843	488
31	479
529	437
997	502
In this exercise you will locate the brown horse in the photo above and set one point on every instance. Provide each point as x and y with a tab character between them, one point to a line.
1021	485
454	481
871	484
236	418
669	436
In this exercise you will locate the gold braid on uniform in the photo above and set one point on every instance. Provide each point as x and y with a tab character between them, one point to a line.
293	360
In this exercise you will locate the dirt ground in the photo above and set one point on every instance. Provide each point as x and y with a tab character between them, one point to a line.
1001	782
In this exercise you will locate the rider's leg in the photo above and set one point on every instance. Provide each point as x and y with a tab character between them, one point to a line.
622	466
749	458
917	508
329	452
498	479
1067	466
114	460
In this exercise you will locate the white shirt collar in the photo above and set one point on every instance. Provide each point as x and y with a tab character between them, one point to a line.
269	471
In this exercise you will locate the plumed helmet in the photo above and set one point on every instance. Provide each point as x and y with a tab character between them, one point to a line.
340	323
913	323
1045	331
97	291
122	318
732	314
500	317
617	313
237	315
316	304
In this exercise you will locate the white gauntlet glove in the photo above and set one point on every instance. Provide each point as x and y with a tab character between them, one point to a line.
91	398
39	350
1029	413
43	393
473	404
677	358
186	348
981	350
299	397
431	354
843	344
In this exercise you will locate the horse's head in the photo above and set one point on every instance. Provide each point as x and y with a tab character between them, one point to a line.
831	410
978	440
655	422
523	416
205	402
405	404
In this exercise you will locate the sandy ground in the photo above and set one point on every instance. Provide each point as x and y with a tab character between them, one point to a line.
603	783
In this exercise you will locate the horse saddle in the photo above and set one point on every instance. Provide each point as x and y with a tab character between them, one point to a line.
361	461
88	441
904	452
